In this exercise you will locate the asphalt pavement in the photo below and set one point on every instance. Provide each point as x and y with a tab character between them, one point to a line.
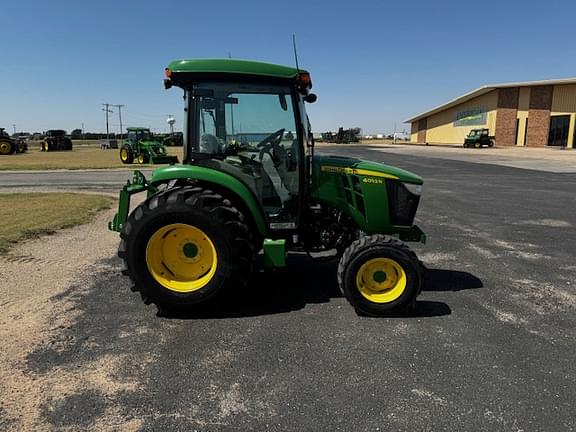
491	346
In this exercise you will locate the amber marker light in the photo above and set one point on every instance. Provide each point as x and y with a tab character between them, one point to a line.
305	79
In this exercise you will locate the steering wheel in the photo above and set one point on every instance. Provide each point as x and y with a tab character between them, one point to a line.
271	142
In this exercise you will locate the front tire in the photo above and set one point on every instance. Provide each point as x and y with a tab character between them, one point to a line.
379	275
142	158
185	246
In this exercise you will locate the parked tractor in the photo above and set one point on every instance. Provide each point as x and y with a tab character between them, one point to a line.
236	193
343	136
56	140
479	138
175	139
10	145
141	146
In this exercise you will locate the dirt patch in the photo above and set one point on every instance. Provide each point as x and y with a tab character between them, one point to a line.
36	276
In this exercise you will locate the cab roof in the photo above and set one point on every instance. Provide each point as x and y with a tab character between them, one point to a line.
233	67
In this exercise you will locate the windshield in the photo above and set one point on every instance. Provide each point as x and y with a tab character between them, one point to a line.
473	133
241	116
139	135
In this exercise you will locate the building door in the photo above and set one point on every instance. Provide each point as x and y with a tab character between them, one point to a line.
559	126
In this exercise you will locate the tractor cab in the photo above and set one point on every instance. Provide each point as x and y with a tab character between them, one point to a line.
135	135
256	130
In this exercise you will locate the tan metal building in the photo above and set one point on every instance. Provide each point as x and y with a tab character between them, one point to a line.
532	114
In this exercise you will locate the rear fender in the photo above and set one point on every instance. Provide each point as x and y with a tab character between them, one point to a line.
223	182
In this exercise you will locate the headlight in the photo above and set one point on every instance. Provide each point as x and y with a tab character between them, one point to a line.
413	188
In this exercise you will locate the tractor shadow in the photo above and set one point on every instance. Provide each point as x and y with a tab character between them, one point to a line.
307	281
449	280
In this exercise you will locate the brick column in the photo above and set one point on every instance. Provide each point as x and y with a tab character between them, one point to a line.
506	116
422	126
539	116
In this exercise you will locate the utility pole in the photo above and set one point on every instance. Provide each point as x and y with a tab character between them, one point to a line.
82	130
107	110
14	126
120	118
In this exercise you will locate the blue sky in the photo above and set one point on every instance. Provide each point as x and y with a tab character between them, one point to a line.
373	63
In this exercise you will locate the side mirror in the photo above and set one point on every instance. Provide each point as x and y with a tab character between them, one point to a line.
311	98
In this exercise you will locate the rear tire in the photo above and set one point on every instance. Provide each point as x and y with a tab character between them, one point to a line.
379	275
7	147
126	155
185	246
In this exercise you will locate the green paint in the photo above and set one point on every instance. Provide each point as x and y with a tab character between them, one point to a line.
363	197
232	66
137	185
225	180
274	253
190	250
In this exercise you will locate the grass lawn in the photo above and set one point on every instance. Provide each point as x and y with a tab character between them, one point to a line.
28	215
81	157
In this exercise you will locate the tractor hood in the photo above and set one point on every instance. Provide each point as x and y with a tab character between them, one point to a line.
357	166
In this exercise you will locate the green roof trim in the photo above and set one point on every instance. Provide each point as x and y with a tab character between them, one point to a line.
233	66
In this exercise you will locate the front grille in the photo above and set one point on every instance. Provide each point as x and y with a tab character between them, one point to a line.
402	203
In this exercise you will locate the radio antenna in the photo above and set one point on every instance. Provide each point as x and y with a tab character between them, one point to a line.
295	52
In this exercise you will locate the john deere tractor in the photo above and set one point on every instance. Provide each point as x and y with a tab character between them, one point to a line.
56	140
140	145
250	182
11	145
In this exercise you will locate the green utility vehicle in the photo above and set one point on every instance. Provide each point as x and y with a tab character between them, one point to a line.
56	140
10	145
479	138
238	193
141	145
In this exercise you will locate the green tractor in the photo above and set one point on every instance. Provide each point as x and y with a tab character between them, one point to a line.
140	145
175	139
250	182
55	140
11	145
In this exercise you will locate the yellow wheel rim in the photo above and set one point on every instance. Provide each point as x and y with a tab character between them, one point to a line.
5	148
141	159
123	154
381	280
181	257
